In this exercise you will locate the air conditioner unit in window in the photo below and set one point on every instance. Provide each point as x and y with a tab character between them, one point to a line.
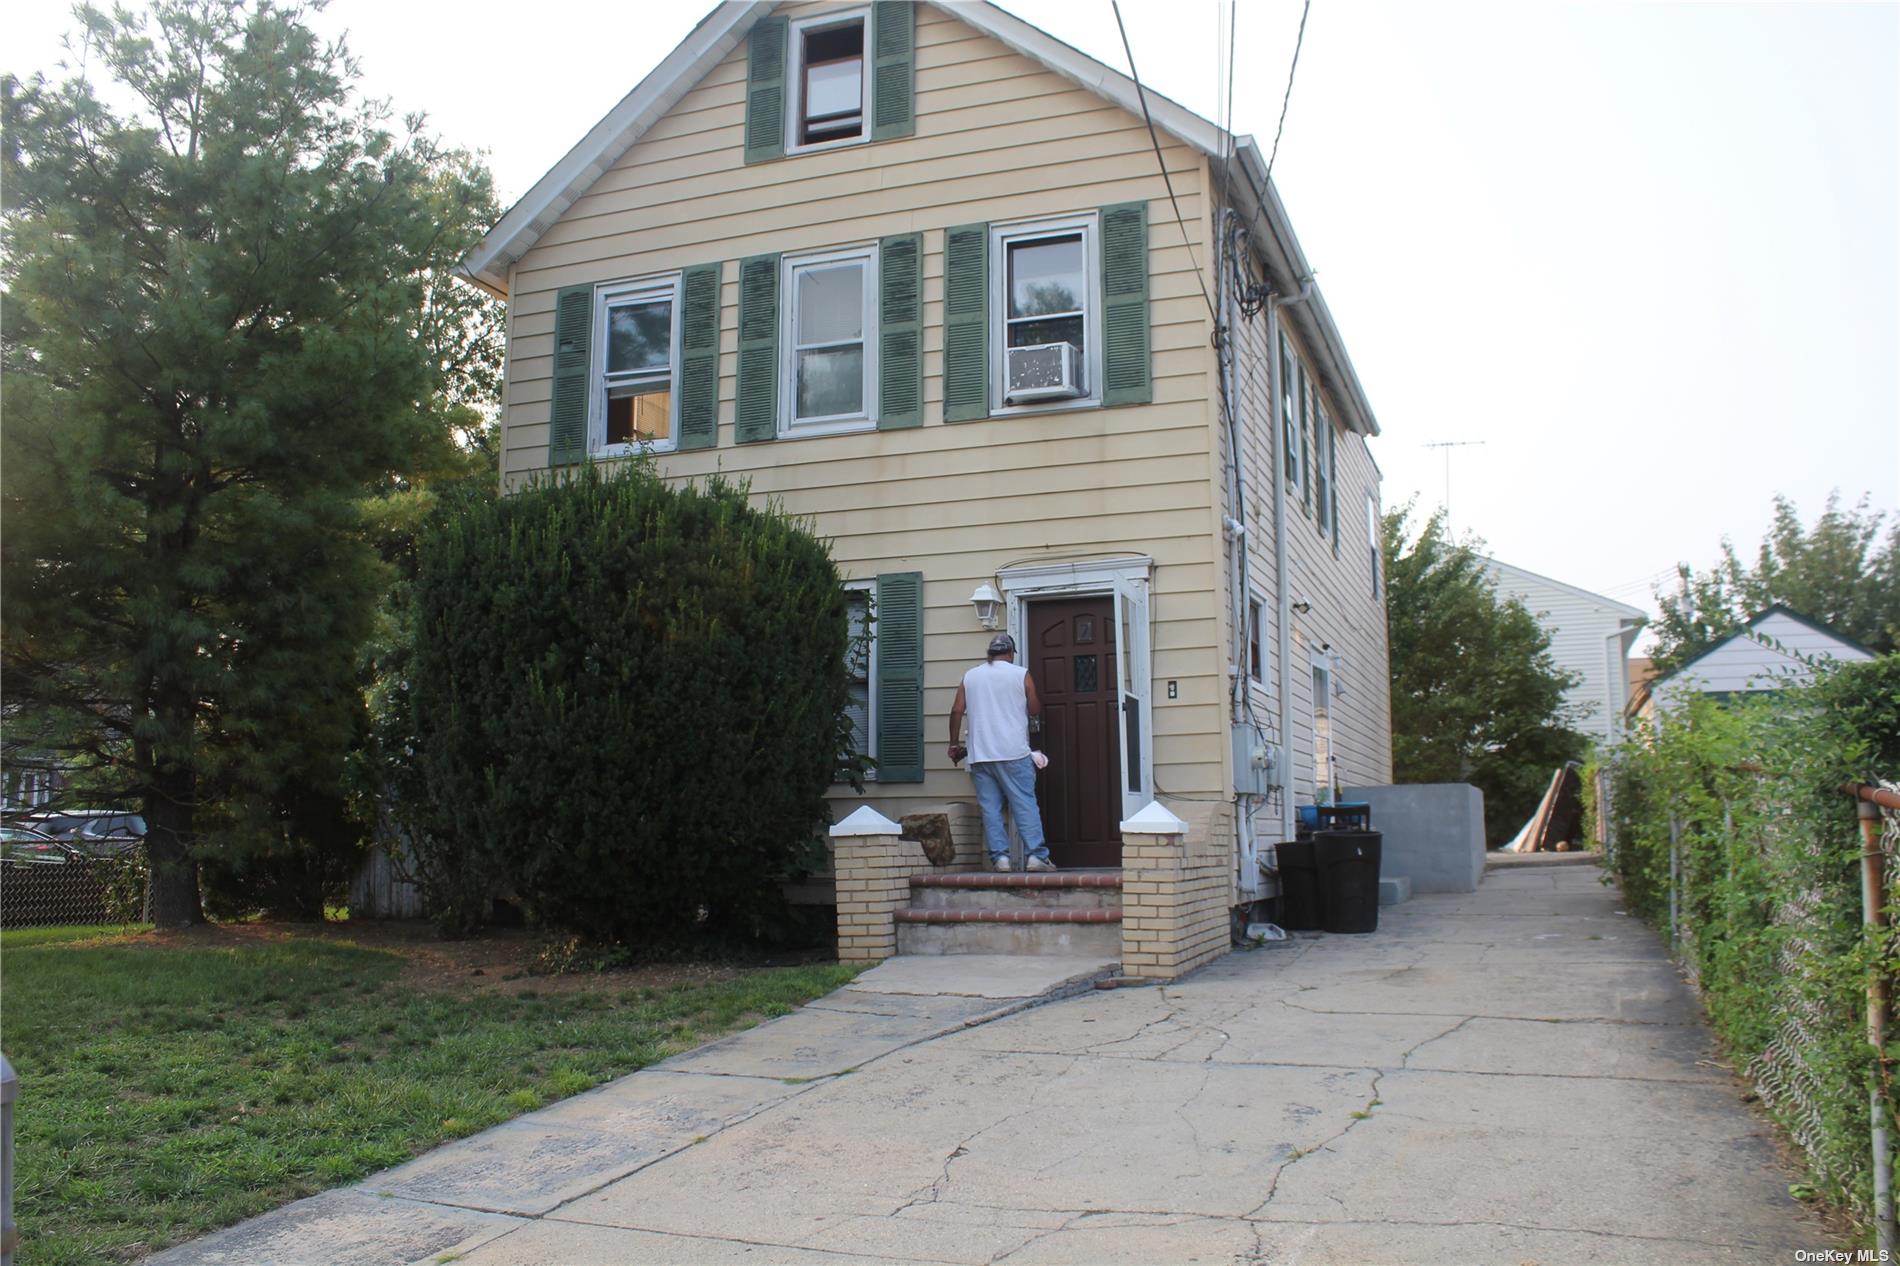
1046	371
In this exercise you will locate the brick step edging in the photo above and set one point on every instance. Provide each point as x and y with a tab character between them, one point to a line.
1007	916
1031	879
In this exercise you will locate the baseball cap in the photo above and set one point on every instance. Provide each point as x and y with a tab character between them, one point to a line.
1002	644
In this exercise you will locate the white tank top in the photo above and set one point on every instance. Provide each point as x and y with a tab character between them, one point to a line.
997	704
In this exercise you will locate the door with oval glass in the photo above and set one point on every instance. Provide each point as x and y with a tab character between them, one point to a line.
1072	653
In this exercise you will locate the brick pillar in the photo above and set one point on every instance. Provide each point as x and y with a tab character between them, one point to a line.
873	884
1154	874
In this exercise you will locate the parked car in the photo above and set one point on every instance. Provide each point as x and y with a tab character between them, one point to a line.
109	835
26	845
94	832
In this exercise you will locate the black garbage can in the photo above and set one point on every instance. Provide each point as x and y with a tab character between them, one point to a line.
1299	886
1347	866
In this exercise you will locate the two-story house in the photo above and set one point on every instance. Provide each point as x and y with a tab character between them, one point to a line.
1590	638
928	276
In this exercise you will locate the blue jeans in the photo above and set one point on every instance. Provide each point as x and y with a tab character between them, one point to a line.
1014	780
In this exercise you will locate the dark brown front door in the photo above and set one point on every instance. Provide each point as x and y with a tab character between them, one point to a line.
1072	656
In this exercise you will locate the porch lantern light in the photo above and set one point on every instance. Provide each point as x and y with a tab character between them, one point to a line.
985	601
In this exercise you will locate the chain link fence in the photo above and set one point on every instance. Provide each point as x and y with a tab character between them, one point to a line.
79	890
1807	1101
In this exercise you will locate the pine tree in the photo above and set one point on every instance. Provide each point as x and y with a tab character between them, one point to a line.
220	348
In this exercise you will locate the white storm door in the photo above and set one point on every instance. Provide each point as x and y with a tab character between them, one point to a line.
1135	670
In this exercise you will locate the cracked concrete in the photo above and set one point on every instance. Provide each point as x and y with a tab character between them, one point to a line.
1511	1076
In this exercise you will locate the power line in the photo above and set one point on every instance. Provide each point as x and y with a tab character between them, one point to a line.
1227	109
1298	40
1141	94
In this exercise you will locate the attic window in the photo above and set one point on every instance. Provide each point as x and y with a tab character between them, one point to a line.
828	80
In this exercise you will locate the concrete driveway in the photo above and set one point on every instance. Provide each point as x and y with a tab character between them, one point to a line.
1516	1076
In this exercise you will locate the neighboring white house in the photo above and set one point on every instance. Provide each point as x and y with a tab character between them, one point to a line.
1776	650
1590	636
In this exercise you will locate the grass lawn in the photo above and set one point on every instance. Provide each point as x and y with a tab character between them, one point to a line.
173	1084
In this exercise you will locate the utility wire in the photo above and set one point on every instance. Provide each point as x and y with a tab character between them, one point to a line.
1228	145
1281	126
1141	94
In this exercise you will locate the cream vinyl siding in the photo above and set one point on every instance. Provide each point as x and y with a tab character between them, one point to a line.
1345	615
998	138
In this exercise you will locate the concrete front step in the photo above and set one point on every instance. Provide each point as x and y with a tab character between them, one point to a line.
1092	933
1070	890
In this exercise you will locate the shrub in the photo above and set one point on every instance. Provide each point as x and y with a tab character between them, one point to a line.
1765	874
624	702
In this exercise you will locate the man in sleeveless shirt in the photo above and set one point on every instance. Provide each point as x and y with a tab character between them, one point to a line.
999	699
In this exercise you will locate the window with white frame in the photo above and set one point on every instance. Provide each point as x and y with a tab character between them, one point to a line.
636	328
1323	732
830	365
1256	640
1323	455
861	670
1289	415
830	93
1372	541
1045	298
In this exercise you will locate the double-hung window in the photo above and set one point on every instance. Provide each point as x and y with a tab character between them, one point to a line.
1256	640
1323	454
1372	540
1045	314
636	328
1323	731
861	670
1290	447
830	366
830	91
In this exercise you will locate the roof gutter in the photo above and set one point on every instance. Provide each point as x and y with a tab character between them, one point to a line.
717	34
1290	275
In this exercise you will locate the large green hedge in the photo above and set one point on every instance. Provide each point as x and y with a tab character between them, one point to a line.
625	703
1764	870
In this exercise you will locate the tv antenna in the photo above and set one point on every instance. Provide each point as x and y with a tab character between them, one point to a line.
1448	445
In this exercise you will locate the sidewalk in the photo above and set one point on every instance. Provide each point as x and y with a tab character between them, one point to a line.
1513	1076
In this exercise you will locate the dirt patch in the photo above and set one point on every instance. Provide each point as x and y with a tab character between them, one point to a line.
504	961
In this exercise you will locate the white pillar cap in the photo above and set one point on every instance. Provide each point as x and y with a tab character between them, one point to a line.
866	821
1154	820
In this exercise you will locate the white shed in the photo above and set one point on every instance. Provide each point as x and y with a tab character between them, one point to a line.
1777	649
1590	636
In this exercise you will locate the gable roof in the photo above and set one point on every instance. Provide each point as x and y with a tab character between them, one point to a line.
1748	631
722	30
1618	608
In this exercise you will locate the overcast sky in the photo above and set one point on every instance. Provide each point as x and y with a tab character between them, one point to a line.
1641	257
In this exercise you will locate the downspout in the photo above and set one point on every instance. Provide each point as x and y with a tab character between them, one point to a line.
1236	524
1283	590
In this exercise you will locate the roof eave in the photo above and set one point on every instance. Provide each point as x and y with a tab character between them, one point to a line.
1073	64
717	34
1288	273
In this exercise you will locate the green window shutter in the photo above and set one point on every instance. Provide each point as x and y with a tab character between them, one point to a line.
900	354
1332	482
573	374
1125	378
966	312
765	91
757	412
699	357
899	634
894	69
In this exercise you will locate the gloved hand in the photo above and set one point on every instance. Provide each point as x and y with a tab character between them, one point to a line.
1042	762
